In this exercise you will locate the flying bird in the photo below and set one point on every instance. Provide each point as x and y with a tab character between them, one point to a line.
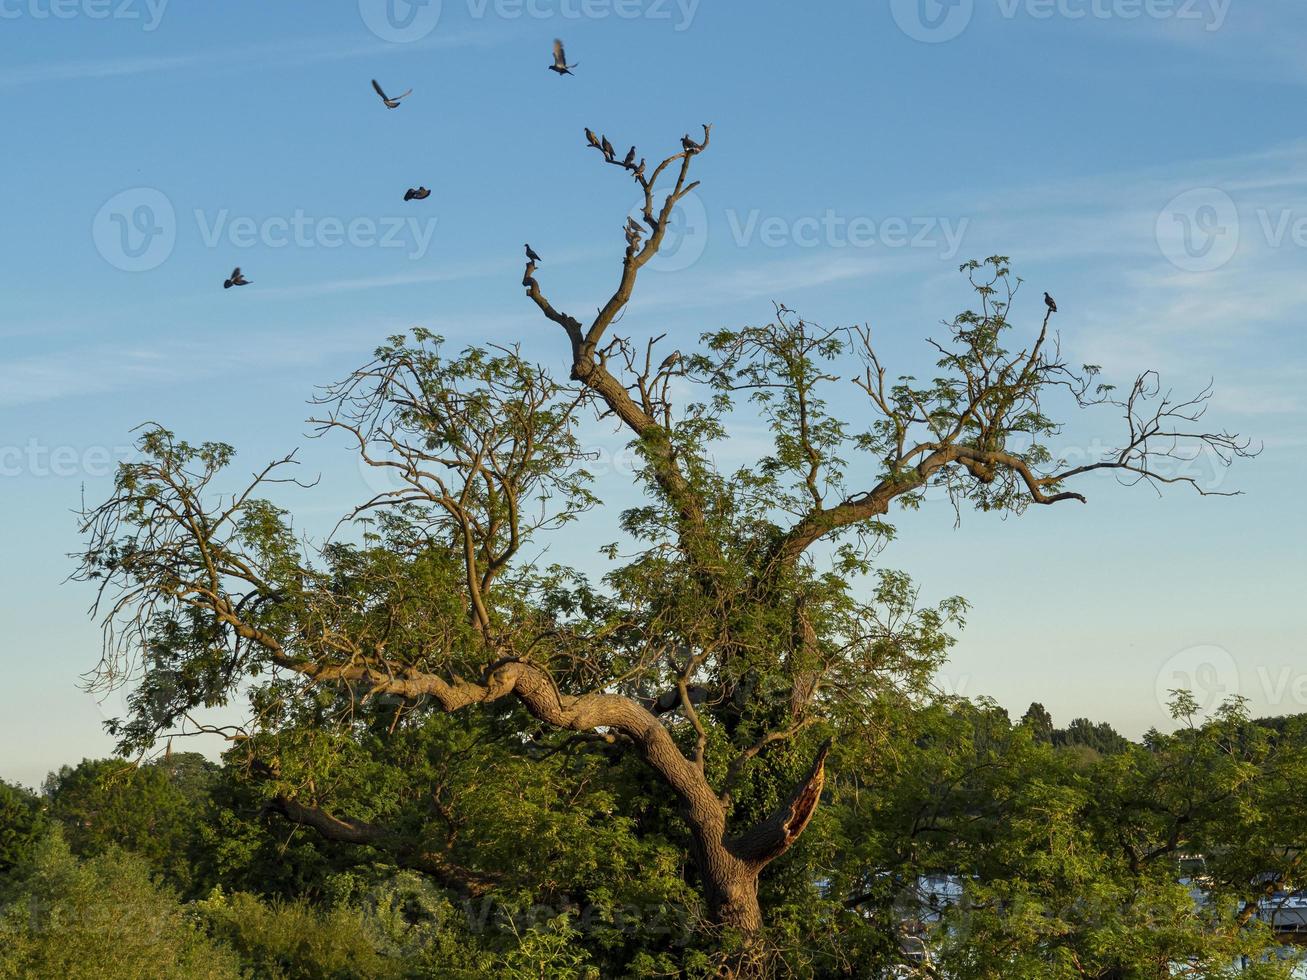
592	139
390	103
531	254
607	147
560	64
1048	301
629	162
417	194
236	279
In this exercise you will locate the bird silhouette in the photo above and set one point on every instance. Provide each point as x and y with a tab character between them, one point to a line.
629	162
390	103
236	279
690	145
607	147
638	169
560	64
1048	301
417	194
531	254
592	139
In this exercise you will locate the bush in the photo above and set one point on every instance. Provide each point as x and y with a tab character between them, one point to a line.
294	941
103	919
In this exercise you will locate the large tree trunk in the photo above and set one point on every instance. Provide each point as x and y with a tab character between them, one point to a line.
730	888
730	866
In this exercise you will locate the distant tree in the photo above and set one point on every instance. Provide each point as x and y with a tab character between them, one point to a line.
1099	736
151	809
737	635
22	825
1062	869
1039	721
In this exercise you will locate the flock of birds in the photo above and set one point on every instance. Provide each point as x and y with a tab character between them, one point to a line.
421	193
634	232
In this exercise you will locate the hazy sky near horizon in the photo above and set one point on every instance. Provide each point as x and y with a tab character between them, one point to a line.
1143	160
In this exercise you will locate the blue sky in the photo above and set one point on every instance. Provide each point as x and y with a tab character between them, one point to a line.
1143	160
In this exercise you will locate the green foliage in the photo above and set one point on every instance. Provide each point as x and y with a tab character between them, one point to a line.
103	919
1099	737
152	809
293	941
22	825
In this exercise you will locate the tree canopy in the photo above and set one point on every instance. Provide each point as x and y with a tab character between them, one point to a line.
735	721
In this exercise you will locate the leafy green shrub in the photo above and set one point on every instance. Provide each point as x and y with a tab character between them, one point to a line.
292	940
103	919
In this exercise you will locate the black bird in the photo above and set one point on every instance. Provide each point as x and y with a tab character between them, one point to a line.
690	145
1048	301
236	279
607	147
417	194
592	139
560	64
390	103
629	162
531	254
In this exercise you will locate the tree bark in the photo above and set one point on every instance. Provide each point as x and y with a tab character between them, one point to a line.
729	865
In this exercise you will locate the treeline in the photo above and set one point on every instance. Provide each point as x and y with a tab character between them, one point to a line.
1067	846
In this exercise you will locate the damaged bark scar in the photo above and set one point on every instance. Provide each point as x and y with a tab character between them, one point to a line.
772	837
805	804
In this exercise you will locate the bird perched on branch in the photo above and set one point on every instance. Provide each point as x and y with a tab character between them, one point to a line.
609	153
531	254
634	233
236	279
638	170
670	361
390	103
560	64
629	162
690	145
417	194
1048	301
592	139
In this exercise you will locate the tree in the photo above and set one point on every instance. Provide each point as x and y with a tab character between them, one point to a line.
1100	737
103	918
1039	721
726	653
1004	856
22	826
151	809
